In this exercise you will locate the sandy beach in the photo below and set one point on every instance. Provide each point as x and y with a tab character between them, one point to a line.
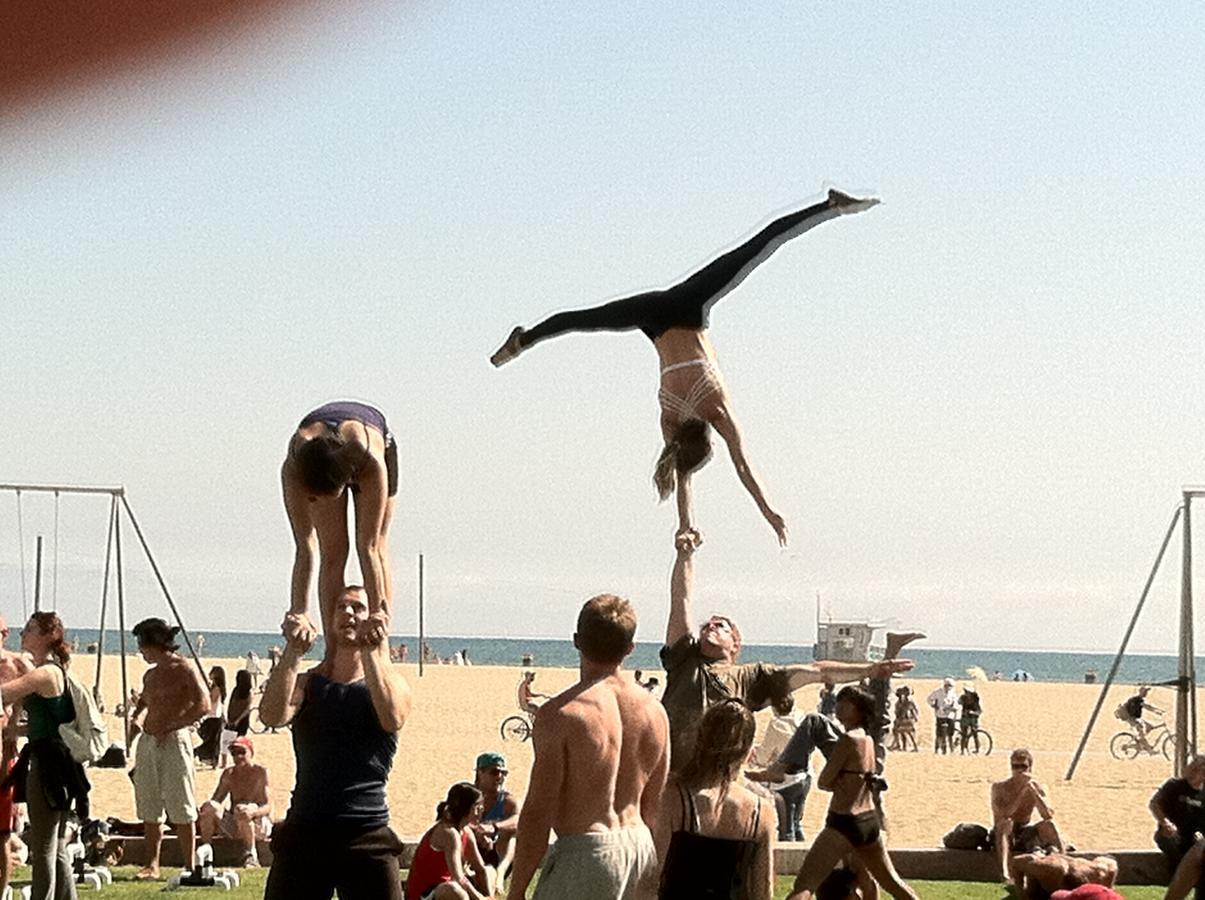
457	712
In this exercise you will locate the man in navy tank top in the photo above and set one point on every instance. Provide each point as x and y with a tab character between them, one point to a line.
346	713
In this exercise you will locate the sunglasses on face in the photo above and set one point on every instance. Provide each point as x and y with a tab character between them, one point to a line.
1020	765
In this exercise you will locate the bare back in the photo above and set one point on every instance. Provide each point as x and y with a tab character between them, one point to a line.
611	738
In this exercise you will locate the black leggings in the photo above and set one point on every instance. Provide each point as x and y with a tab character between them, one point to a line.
688	303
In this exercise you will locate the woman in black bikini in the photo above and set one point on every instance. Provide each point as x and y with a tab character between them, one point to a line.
692	396
714	834
854	822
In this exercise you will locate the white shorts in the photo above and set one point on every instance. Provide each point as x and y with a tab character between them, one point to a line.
163	778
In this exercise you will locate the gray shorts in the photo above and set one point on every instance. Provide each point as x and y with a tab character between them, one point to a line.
611	865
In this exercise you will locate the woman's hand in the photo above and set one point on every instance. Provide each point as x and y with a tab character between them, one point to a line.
779	525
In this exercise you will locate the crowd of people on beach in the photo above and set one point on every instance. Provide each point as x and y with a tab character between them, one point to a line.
648	795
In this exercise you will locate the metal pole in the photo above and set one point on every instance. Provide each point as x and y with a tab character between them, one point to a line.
54	591
1185	702
63	488
163	587
422	643
104	604
21	543
1100	701
37	578
121	624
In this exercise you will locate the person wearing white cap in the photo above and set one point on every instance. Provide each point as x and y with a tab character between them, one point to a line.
944	702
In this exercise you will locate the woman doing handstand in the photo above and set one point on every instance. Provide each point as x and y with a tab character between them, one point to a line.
692	396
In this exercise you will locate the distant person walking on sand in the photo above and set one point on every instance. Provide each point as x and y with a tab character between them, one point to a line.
253	668
903	731
1131	712
854	823
703	670
944	703
968	722
714	835
250	815
529	698
346	713
692	396
601	757
1179	810
827	703
1014	802
173	697
341	447
51	784
12	666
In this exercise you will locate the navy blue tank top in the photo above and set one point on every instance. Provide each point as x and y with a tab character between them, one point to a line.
343	757
337	412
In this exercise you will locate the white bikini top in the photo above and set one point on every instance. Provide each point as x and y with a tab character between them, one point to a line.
686	407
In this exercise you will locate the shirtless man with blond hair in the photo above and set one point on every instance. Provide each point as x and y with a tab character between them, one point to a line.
12	665
173	697
1014	801
601	759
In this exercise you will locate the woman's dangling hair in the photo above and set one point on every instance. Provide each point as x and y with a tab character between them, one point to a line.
688	450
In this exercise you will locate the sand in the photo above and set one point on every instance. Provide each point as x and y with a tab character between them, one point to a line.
457	712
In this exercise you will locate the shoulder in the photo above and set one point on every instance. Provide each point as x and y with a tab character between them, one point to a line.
684	650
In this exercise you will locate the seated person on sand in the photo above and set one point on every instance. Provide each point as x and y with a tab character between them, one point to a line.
341	448
249	817
1179	810
447	865
527	695
495	831
1039	875
1014	801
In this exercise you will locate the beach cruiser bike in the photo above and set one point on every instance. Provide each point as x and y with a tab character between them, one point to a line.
979	741
1128	745
517	727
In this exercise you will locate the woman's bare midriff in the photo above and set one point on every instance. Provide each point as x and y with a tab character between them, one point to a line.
680	345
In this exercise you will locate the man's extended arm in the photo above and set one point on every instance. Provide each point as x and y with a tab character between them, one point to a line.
283	690
539	807
681	584
388	689
810	673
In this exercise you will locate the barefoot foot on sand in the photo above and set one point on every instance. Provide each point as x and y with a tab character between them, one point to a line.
508	350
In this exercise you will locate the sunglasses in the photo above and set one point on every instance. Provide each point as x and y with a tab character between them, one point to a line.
1017	764
238	751
497	771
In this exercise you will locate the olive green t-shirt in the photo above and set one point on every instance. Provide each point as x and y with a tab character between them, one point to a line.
693	682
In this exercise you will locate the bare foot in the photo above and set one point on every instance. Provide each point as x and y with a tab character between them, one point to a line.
848	204
508	350
898	640
148	873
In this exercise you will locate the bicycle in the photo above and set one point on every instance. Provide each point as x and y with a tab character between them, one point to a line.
516	727
980	740
1128	745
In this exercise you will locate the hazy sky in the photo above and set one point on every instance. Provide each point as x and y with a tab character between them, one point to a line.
974	404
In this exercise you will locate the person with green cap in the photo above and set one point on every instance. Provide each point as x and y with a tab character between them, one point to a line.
495	832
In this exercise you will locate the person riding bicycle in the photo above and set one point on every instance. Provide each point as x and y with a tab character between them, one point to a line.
1131	711
527	695
972	708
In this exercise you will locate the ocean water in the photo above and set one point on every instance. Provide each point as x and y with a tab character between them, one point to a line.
931	662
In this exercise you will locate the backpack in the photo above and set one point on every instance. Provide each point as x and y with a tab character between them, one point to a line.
968	836
85	735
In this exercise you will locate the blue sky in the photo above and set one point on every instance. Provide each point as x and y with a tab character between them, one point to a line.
974	404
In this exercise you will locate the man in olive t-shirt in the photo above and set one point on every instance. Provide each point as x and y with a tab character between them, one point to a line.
703	670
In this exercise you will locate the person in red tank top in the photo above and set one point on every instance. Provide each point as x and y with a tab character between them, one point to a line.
447	864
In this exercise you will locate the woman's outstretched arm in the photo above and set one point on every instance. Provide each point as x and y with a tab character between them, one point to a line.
727	428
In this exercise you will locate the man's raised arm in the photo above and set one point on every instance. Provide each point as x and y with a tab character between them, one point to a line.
282	693
388	689
681	585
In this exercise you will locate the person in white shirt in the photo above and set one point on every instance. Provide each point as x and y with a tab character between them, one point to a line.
791	789
944	701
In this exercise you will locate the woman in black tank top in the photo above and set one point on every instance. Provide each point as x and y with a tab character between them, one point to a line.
854	824
714	834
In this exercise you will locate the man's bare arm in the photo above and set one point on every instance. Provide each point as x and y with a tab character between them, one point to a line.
811	673
539	807
222	790
285	687
654	788
681	585
389	691
1044	808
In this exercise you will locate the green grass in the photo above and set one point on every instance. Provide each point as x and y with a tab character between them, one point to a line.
253	880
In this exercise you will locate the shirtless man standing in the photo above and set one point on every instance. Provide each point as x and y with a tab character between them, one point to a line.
173	697
12	665
1014	802
601	759
248	819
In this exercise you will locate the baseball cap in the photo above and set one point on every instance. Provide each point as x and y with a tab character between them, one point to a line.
1087	892
154	632
245	743
491	760
948	682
